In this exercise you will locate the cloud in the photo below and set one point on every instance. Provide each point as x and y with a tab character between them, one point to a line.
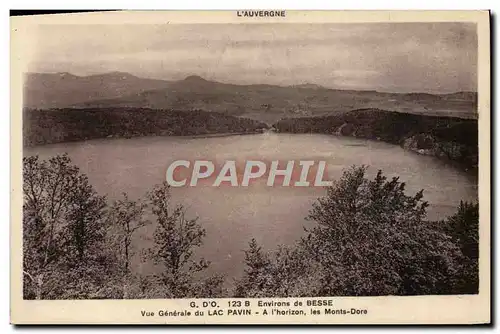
435	57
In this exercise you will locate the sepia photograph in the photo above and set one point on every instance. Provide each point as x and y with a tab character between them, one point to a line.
261	160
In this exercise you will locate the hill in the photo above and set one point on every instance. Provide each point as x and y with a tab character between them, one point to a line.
65	125
265	103
449	138
60	90
308	86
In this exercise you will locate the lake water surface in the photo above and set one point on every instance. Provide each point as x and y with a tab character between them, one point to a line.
232	216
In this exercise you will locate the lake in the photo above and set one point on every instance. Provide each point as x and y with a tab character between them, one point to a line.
272	215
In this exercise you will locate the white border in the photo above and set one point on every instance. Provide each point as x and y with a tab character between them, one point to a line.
145	4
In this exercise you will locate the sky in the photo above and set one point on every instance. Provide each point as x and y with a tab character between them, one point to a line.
394	57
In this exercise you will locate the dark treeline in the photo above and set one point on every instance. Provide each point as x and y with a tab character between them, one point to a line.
366	237
63	125
451	138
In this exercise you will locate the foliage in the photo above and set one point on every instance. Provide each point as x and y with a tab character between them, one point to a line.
63	125
453	138
368	237
63	226
463	227
175	237
125	218
284	273
257	276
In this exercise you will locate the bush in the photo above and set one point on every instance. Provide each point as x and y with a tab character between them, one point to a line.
285	273
370	239
176	237
63	229
463	227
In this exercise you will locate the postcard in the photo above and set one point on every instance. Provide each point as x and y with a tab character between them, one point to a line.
251	167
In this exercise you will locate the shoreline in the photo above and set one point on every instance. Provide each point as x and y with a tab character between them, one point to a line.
470	171
214	135
208	135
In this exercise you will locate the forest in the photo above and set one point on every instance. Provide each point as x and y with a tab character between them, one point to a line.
365	237
451	138
71	124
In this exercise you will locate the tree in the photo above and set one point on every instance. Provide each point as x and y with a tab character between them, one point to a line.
125	218
257	276
86	230
372	239
63	228
46	190
175	239
463	227
287	272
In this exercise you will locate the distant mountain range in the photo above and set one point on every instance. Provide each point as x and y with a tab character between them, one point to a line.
266	103
60	90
